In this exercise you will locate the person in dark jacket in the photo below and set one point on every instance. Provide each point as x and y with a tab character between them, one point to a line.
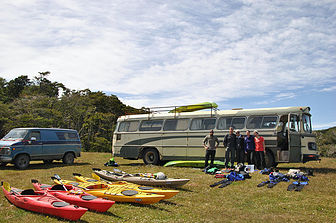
249	147
230	144
210	144
240	151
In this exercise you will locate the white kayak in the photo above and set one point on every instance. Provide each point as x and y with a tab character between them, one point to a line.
139	178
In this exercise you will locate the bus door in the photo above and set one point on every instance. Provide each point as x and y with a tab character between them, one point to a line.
294	138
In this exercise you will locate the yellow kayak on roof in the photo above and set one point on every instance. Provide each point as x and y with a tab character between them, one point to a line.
195	107
145	189
118	194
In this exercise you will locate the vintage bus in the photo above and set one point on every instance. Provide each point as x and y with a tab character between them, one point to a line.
156	137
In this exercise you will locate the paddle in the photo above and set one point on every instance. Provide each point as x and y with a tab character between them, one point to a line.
59	180
96	177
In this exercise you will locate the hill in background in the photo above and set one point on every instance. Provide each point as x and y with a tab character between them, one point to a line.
326	141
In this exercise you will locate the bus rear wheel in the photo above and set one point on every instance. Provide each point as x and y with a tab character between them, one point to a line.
151	156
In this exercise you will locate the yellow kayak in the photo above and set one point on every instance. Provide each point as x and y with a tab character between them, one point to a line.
195	107
145	189
118	194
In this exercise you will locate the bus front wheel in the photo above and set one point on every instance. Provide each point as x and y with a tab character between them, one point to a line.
151	156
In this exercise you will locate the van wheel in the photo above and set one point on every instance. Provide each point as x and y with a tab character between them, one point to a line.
151	156
269	159
48	161
22	161
68	158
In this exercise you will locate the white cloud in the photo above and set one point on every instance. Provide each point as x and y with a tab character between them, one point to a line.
324	125
327	89
173	53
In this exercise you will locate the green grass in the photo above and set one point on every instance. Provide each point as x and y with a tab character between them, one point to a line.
196	202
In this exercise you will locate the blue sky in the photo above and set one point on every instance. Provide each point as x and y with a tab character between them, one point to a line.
248	54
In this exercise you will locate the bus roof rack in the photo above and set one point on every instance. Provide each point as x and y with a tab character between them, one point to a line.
181	108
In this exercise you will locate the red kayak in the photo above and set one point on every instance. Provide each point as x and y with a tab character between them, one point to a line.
74	196
41	202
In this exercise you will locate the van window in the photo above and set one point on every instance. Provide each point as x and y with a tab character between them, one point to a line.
227	122
69	136
176	124
254	122
151	125
203	123
35	134
129	126
269	122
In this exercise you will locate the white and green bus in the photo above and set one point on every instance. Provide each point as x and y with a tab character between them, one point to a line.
156	137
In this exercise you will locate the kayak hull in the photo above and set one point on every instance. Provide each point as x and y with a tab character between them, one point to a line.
191	163
116	194
130	186
169	182
45	204
76	197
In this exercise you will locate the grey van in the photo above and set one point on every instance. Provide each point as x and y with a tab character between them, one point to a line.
21	145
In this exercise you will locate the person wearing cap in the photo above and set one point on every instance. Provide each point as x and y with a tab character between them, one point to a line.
230	144
259	150
240	147
249	147
210	144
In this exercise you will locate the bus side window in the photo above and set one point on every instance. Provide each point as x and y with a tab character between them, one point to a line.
130	126
176	124
238	122
209	123
203	123
269	122
254	122
224	123
151	125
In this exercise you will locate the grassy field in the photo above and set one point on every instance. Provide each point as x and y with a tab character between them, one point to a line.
196	202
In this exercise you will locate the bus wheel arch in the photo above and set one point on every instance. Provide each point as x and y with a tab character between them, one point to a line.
270	159
150	155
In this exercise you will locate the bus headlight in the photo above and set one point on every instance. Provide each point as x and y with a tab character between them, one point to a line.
312	146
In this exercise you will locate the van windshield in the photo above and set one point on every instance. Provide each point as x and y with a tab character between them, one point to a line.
15	134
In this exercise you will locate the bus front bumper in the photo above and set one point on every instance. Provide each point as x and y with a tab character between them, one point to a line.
310	157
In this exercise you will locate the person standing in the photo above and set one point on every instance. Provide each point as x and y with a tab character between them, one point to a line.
240	147
259	150
249	146
230	144
210	144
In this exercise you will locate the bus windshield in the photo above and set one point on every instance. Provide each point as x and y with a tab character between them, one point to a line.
15	134
306	123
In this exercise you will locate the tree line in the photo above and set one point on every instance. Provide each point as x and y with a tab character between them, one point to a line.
39	102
